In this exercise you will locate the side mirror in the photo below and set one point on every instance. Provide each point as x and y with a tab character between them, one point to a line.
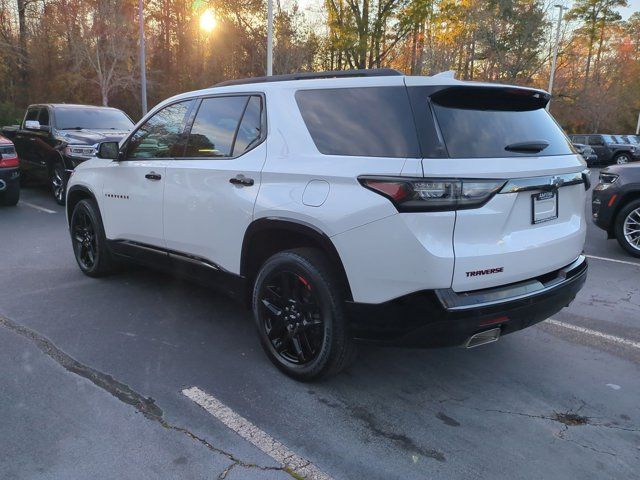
108	150
32	125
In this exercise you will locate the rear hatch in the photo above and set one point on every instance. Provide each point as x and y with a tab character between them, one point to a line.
534	222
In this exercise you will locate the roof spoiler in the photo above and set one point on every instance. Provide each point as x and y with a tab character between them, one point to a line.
448	74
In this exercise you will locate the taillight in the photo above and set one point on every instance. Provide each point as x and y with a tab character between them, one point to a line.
8	157
433	194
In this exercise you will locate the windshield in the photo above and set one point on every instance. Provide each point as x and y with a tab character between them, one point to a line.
92	118
612	139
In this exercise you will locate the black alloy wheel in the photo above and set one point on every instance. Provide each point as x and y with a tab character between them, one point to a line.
291	317
58	185
89	241
83	235
298	306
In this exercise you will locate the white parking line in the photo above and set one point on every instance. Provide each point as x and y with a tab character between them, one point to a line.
37	207
636	264
595	333
247	430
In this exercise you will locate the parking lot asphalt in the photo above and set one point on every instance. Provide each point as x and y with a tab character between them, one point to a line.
93	373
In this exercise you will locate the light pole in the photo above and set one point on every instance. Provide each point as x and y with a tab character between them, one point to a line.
143	68
555	52
269	38
638	126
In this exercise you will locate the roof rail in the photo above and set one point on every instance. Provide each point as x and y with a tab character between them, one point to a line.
373	72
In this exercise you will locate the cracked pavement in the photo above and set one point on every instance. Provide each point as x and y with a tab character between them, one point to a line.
91	375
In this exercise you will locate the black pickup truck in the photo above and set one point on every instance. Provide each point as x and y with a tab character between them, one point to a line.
54	138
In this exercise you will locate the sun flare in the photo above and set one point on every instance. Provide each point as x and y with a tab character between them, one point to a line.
207	21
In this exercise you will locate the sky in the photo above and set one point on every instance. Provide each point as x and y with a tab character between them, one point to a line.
634	6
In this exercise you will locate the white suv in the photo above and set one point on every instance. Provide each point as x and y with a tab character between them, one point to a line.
348	206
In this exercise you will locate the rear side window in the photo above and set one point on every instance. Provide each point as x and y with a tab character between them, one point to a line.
581	140
492	122
250	129
215	126
368	122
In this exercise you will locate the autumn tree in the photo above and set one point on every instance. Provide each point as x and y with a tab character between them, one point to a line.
595	16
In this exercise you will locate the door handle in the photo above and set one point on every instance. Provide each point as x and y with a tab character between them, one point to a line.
241	180
153	176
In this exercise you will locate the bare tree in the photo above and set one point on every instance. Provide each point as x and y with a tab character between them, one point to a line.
106	45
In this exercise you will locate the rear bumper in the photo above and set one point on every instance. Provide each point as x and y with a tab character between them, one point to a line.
8	177
440	318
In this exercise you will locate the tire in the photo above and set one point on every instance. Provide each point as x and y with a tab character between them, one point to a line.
304	332
57	182
11	196
89	241
622	159
627	227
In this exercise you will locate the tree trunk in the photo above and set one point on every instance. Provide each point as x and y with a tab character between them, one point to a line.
599	54
23	66
592	37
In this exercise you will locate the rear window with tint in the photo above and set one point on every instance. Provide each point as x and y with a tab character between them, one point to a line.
482	122
371	121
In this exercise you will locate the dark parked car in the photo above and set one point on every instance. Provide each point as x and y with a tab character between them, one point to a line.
609	148
587	153
9	173
54	138
616	205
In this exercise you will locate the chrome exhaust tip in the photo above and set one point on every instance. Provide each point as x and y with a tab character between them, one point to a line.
482	338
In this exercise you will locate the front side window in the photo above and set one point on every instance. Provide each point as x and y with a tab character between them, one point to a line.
32	114
215	126
581	140
596	140
161	136
366	121
43	118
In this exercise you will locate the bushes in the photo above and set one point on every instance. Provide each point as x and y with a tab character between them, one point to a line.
10	114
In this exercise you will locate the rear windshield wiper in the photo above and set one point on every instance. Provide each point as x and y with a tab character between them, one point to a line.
527	147
72	128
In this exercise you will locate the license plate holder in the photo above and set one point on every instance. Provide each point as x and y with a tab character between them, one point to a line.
544	207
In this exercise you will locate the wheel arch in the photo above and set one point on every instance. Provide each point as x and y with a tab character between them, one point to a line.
621	151
54	156
625	198
74	195
267	236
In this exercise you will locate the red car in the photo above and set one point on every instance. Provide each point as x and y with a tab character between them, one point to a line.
9	173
